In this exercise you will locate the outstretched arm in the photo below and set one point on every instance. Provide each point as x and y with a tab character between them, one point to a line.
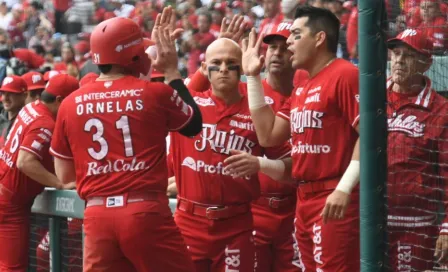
271	130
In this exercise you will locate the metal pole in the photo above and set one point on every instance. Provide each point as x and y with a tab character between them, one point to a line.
373	133
55	244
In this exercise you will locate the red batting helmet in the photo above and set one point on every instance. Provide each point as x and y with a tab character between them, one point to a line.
119	41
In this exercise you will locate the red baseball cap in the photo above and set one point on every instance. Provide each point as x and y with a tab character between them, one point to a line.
416	39
88	78
50	74
156	74
281	30
34	80
13	84
62	85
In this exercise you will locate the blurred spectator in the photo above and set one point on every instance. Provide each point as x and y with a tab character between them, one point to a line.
429	18
272	15
197	43
121	9
60	7
16	27
28	57
42	38
5	16
335	6
68	63
288	8
352	35
82	49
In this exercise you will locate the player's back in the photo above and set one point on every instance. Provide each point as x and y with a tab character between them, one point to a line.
116	132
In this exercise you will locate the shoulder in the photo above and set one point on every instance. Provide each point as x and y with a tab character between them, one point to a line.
343	72
343	68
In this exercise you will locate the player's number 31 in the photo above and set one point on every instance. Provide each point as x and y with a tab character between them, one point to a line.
121	124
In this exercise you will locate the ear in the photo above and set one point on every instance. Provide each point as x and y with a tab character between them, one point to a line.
59	99
203	69
320	38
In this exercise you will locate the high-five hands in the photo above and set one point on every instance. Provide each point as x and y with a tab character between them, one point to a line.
234	30
252	61
166	58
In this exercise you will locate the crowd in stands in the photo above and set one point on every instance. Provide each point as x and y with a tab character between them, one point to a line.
54	34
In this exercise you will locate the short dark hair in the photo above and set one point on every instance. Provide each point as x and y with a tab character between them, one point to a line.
320	19
105	68
40	50
36	93
47	97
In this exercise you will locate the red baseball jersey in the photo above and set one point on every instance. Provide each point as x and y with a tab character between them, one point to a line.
417	156
32	131
323	116
115	132
268	185
199	161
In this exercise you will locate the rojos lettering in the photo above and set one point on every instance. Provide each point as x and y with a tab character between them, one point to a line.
222	141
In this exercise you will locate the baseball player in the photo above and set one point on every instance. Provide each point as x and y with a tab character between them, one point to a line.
322	118
417	144
26	167
13	99
36	85
274	211
110	137
214	211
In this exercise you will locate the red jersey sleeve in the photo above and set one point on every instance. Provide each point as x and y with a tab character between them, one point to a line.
278	152
197	82
38	137
348	96
177	111
284	111
60	147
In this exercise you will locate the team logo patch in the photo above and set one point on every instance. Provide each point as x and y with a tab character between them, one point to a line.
268	100
190	163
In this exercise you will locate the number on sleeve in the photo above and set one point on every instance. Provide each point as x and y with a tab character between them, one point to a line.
121	124
15	140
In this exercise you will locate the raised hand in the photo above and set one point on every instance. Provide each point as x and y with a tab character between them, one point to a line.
252	61
169	22
166	58
234	30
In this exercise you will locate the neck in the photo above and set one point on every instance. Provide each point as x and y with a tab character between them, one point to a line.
229	96
414	85
283	83
109	76
51	107
12	114
320	63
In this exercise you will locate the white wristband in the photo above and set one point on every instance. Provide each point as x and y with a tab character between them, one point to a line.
255	92
350	178
275	169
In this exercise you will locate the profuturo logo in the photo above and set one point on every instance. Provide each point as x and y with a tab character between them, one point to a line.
190	163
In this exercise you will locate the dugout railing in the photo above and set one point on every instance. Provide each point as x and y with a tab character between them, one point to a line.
50	212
